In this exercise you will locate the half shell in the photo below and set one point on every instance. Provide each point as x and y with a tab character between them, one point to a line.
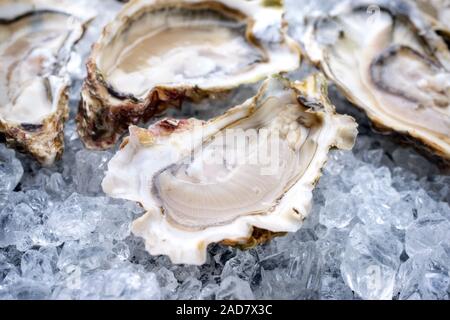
36	39
239	178
389	61
157	53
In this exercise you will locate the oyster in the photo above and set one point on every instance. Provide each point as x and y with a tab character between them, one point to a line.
240	178
158	53
35	43
391	64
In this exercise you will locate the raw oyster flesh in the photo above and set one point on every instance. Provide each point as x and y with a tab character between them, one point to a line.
438	11
155	54
239	178
35	45
391	64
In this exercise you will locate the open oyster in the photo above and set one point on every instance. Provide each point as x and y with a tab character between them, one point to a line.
239	178
35	43
387	60
157	53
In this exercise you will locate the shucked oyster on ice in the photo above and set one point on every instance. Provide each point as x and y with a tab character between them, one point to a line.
391	64
157	53
239	178
35	43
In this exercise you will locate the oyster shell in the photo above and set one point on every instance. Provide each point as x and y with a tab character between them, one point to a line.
158	53
391	64
240	178
35	43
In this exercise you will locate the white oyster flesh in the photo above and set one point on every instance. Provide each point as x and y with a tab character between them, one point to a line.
36	41
438	11
255	166
392	65
207	44
29	50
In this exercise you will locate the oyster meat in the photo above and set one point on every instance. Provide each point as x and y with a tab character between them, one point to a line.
35	43
391	63
438	11
157	53
240	178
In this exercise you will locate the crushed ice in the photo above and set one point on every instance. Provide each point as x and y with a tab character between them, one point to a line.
379	229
